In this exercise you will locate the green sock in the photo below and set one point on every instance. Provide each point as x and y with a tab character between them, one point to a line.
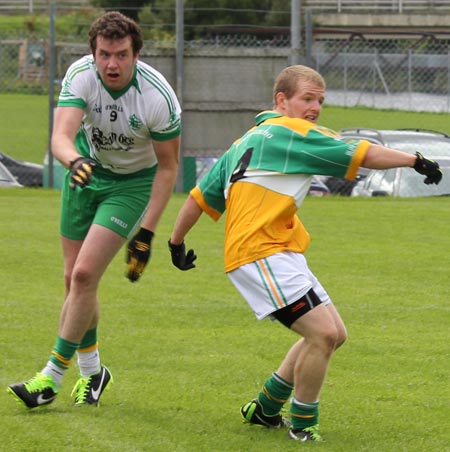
274	394
89	340
63	352
59	360
304	414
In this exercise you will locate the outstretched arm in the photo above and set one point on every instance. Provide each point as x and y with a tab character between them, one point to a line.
381	157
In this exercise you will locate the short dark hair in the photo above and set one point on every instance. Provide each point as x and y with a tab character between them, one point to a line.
115	25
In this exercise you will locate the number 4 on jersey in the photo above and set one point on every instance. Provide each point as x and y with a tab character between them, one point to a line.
242	165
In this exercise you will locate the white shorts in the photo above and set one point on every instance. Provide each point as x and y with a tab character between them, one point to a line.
275	282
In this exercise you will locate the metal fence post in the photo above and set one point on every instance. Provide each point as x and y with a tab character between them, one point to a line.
295	32
345	68
448	81
309	37
179	69
409	78
51	93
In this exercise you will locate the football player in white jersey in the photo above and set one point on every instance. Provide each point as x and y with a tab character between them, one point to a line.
261	181
117	131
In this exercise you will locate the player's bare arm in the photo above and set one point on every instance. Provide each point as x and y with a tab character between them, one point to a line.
188	216
65	128
381	157
167	153
139	247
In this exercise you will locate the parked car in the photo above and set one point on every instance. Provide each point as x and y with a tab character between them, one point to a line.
27	173
428	142
404	182
6	178
318	188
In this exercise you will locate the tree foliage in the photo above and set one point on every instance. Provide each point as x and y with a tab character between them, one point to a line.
204	17
130	8
201	16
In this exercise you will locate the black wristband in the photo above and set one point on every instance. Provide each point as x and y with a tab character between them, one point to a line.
72	162
176	248
145	235
419	163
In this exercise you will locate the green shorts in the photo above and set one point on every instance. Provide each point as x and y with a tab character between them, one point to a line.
115	201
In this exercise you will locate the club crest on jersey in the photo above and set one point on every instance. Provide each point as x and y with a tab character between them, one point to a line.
134	122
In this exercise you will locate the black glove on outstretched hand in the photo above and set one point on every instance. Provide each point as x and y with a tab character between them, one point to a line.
81	172
428	168
138	253
180	259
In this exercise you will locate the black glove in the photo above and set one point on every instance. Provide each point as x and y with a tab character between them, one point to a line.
138	253
179	257
81	172
428	168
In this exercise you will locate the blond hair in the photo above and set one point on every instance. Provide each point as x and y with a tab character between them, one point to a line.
287	80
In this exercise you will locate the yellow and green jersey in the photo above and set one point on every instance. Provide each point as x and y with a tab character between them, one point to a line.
262	180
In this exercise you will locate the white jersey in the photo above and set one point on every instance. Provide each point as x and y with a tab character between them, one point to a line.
118	126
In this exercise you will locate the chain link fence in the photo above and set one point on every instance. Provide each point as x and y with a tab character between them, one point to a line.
224	73
406	74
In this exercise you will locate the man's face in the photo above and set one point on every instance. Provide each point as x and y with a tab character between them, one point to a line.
306	103
115	61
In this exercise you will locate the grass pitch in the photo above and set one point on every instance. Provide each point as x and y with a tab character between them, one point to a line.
186	352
